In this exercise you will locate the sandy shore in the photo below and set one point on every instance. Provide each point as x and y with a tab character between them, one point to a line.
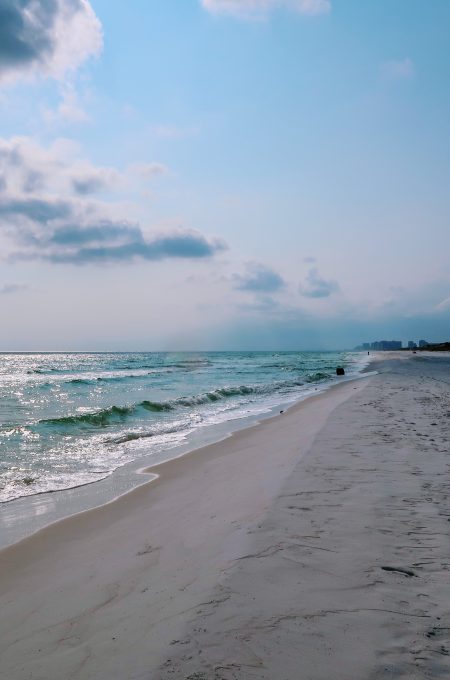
311	546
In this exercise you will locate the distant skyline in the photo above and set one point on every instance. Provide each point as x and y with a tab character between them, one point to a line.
223	174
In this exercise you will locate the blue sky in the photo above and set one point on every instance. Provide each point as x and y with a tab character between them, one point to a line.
215	174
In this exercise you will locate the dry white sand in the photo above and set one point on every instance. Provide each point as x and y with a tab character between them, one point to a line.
312	546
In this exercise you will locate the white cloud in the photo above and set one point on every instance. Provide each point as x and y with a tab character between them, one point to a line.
59	169
260	9
48	38
401	69
88	179
148	170
49	211
69	110
258	278
317	287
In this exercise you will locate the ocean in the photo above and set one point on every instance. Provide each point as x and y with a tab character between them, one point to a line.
70	419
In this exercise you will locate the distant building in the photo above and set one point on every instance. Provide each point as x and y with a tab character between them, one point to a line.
386	345
380	345
423	343
411	344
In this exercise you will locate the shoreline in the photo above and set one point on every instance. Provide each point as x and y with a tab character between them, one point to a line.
87	561
237	564
40	510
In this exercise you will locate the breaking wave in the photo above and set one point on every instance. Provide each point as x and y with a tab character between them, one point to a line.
114	414
97	418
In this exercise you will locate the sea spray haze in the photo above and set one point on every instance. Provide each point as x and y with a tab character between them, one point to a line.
71	419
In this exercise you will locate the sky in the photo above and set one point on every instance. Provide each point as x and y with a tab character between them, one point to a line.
223	174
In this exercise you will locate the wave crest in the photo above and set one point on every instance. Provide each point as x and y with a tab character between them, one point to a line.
115	414
97	418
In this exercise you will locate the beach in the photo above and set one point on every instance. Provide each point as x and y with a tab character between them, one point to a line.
311	545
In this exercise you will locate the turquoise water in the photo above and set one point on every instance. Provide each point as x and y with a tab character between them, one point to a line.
71	419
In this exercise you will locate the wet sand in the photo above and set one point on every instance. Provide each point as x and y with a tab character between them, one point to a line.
311	546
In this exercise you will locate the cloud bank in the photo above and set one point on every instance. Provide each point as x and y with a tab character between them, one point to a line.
48	211
259	9
46	37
